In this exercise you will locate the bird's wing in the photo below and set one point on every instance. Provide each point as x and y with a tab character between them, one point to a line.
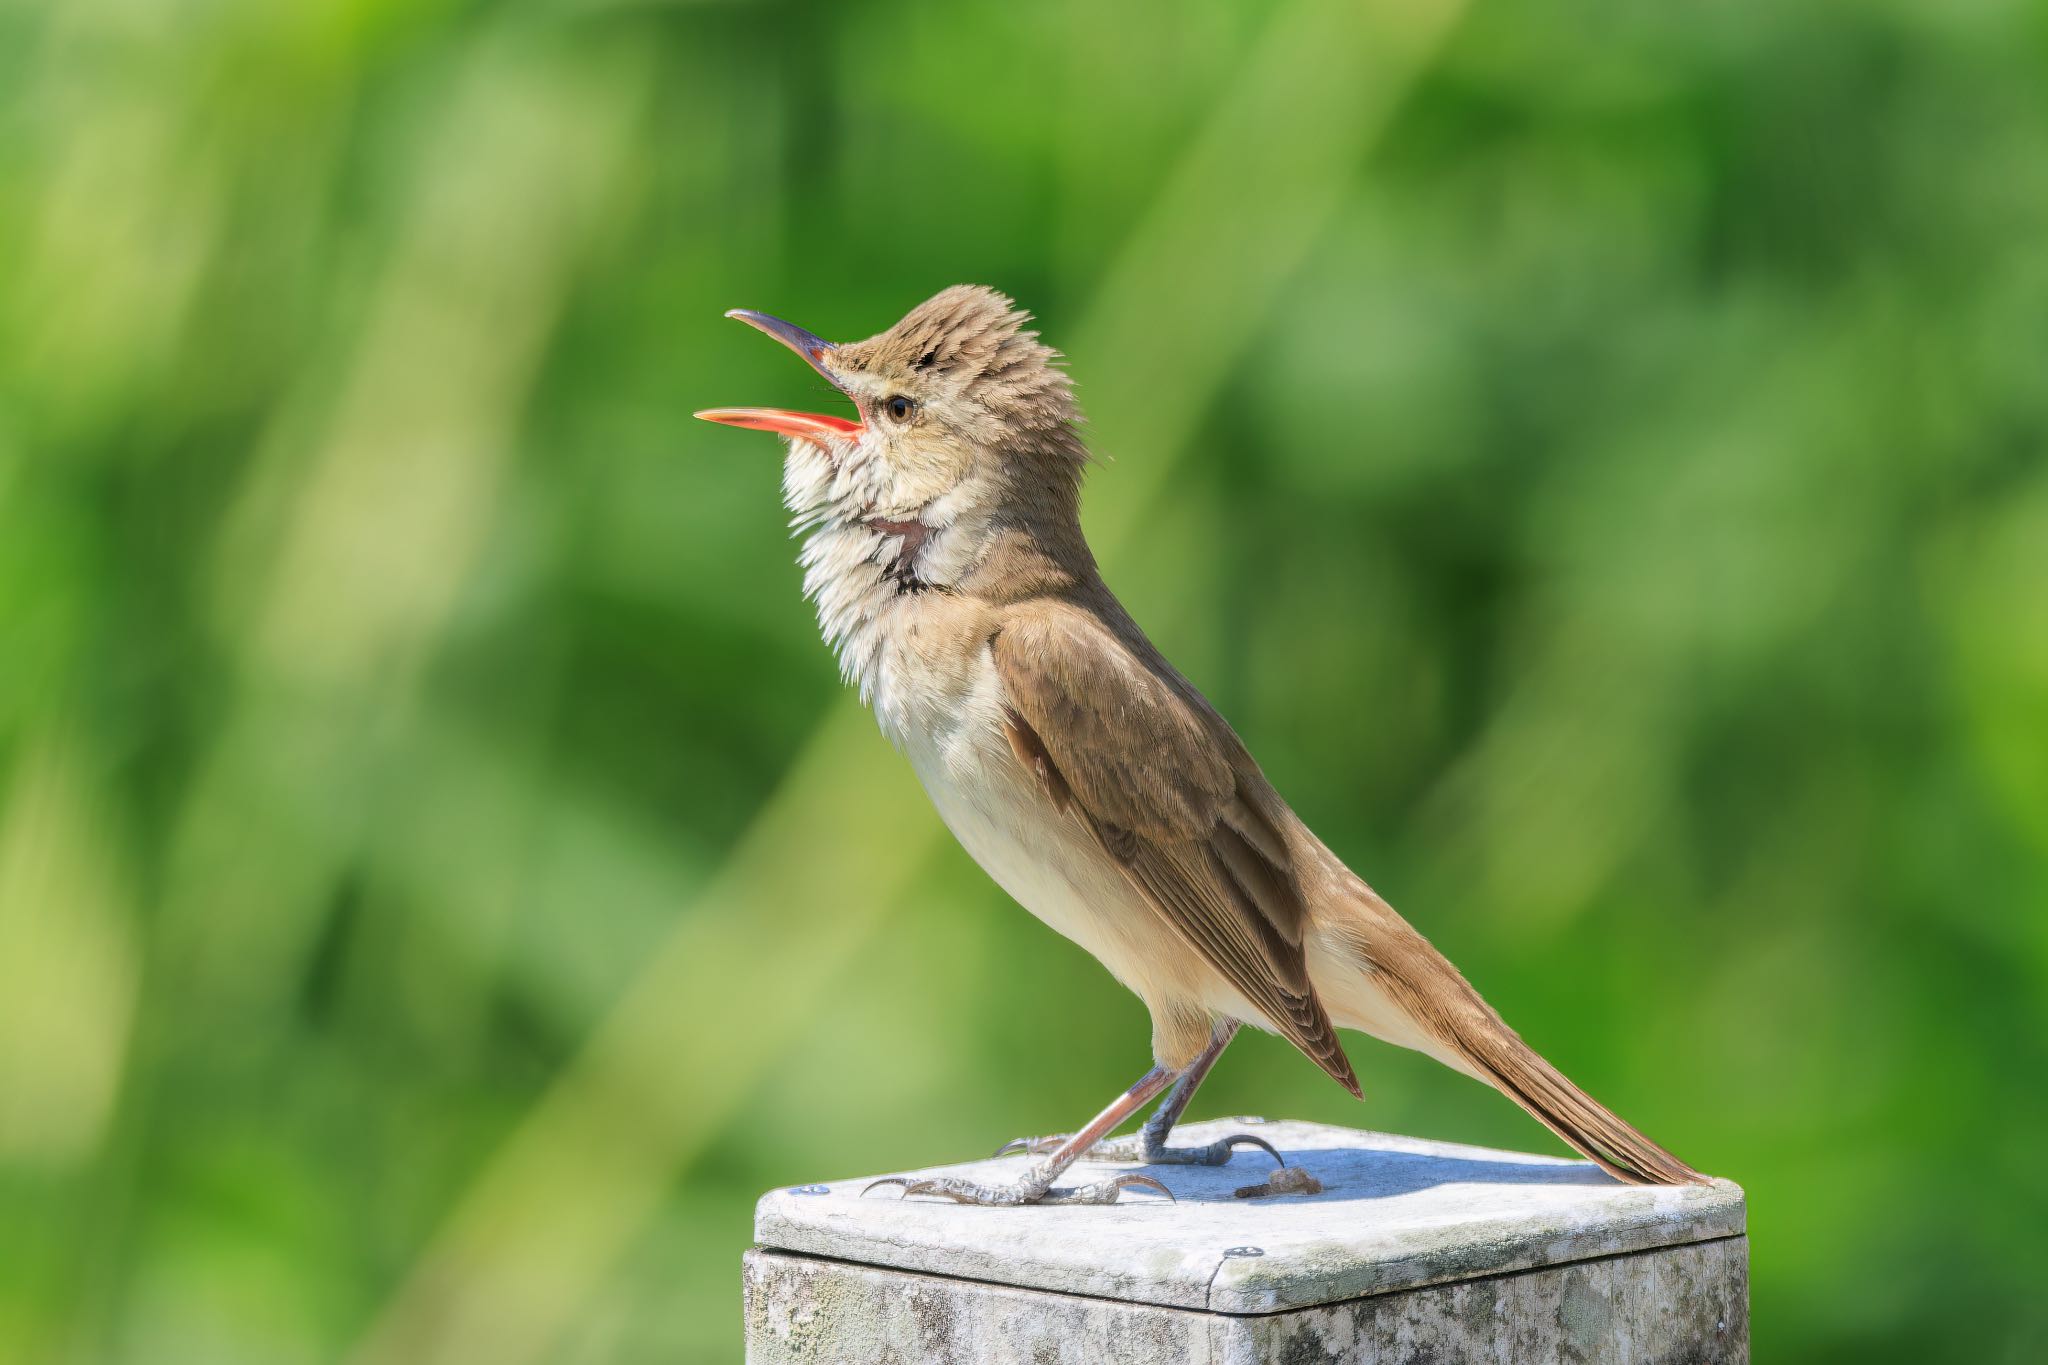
1122	743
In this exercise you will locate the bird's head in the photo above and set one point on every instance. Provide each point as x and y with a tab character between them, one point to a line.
962	419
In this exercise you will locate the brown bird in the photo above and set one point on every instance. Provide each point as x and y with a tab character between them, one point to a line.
942	545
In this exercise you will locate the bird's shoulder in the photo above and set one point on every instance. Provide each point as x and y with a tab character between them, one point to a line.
1135	742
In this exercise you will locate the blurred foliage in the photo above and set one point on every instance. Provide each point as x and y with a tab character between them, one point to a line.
1593	452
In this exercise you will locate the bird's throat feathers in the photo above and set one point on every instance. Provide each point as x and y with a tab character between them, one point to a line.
873	556
862	557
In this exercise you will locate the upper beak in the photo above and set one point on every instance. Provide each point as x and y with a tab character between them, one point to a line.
810	426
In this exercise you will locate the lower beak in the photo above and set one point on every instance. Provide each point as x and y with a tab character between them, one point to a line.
808	426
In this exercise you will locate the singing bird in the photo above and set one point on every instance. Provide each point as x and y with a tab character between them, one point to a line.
942	547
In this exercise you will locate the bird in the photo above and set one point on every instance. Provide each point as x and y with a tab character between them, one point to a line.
942	548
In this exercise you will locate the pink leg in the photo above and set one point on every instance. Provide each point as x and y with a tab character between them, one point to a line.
1150	1145
1036	1187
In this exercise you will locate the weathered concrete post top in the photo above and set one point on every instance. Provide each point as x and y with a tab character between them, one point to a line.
1413	1250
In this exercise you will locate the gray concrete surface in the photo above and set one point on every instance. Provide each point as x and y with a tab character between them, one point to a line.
1414	1250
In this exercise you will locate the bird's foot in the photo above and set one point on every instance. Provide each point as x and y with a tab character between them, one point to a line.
1032	1189
1138	1148
1109	1149
1217	1153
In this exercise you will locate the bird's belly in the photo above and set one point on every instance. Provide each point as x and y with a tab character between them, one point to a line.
1043	860
1048	862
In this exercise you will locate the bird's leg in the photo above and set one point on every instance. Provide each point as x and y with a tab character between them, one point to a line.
1152	1138
1149	1146
1036	1187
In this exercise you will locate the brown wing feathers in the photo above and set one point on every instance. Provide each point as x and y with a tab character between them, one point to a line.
1228	925
1030	751
1111	737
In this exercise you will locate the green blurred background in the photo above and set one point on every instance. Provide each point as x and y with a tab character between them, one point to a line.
1594	452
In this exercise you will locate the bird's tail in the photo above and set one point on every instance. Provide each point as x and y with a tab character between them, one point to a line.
1410	994
1595	1131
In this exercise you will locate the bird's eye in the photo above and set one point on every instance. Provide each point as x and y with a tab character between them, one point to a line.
899	408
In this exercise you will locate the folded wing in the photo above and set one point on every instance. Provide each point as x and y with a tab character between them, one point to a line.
1124	744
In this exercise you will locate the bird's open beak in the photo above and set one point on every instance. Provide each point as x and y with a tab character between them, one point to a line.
809	426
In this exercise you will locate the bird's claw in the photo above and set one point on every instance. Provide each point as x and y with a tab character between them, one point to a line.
1109	1149
1026	1192
1219	1151
1117	1184
1030	1146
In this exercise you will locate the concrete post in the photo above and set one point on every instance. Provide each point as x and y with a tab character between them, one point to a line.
1413	1251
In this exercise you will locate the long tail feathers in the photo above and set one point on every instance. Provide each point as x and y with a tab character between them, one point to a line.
1590	1127
1462	1028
